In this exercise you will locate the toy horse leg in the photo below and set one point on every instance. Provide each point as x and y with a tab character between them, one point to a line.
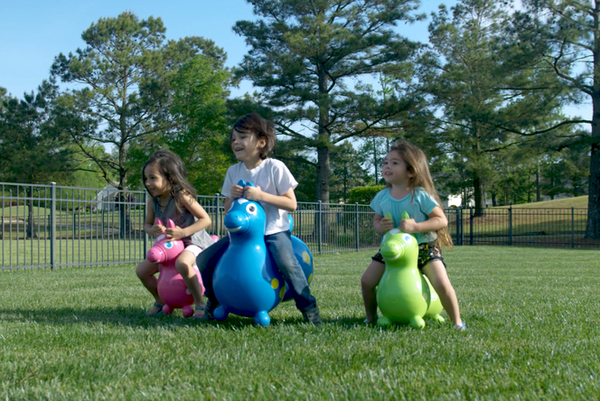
220	313
438	318
262	318
167	310
383	321
187	310
417	322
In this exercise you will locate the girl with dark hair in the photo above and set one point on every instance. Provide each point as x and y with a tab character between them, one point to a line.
172	197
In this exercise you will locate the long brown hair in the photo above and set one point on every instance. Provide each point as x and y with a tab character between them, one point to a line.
173	169
416	163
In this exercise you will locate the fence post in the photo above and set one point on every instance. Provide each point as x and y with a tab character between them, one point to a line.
356	231
470	226
510	230
319	228
52	225
458	219
572	227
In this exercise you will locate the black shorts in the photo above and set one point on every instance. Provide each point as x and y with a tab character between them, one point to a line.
428	251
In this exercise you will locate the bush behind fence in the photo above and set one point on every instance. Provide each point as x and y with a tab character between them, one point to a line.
52	226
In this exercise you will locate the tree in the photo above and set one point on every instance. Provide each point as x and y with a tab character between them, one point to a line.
33	142
347	173
200	127
306	54
123	88
371	154
124	92
567	35
564	171
485	88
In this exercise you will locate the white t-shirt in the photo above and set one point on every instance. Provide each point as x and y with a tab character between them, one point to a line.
273	177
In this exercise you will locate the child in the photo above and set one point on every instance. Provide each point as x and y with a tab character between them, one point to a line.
252	139
172	197
410	188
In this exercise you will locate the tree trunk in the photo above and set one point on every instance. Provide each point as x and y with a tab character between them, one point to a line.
538	194
479	196
323	174
31	231
592	230
323	154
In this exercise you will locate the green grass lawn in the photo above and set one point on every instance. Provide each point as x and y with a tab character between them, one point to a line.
580	202
533	333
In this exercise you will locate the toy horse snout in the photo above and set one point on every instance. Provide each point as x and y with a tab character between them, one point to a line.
236	221
156	255
392	250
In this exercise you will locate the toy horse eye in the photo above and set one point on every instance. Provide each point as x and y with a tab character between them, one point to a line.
251	208
168	245
406	237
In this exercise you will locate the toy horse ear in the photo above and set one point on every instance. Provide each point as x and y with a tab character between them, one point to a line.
170	224
158	222
241	183
249	184
388	215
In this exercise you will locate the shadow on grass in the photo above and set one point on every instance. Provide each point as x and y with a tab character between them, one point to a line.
135	317
128	316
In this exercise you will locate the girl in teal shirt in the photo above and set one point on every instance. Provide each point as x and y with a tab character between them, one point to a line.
410	188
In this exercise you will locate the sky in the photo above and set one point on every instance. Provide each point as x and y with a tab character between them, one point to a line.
34	32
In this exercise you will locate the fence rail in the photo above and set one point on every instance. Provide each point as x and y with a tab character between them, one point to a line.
52	226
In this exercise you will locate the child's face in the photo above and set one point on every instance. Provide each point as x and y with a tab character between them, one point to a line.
395	170
155	182
246	146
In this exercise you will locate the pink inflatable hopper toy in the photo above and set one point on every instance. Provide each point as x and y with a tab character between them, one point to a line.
171	287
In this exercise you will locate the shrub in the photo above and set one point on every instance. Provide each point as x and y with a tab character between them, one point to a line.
364	195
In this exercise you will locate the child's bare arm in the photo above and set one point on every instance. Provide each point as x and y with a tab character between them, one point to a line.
287	201
195	209
149	227
437	220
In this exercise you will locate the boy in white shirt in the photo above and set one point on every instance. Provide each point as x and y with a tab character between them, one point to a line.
252	139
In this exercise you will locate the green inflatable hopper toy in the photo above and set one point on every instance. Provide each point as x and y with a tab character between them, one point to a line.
404	295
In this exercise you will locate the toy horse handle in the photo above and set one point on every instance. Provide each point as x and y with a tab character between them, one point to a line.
170	223
405	215
243	183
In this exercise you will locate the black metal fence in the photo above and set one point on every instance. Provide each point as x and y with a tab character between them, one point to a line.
520	227
52	226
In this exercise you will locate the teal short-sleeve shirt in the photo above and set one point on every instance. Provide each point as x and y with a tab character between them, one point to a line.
418	204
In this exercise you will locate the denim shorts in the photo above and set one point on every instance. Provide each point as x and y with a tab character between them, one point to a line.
428	251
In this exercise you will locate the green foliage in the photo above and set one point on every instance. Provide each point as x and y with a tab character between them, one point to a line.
32	142
364	195
489	86
346	172
307	56
531	335
200	128
565	33
126	76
